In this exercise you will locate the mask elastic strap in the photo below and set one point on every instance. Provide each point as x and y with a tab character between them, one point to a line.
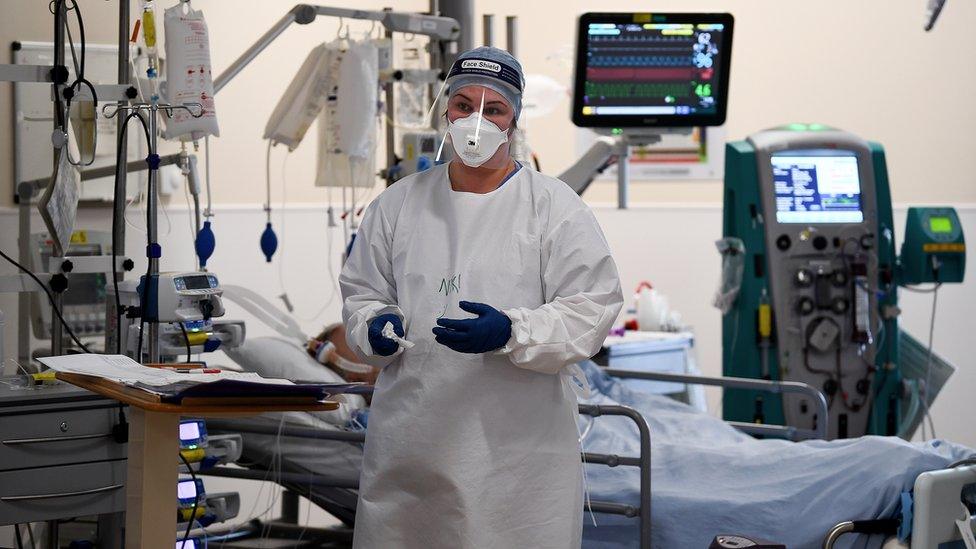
433	103
440	149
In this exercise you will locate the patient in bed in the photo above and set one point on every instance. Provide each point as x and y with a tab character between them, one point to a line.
325	358
330	349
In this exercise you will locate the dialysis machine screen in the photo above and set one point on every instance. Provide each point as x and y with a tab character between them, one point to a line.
817	186
649	70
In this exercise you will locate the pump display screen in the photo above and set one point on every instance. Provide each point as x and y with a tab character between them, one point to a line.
940	224
817	186
186	490
189	431
648	70
199	282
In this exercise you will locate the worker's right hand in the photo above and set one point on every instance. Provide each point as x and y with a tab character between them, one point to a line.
381	344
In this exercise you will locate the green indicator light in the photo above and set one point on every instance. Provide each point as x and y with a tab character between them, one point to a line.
940	225
817	127
616	131
796	127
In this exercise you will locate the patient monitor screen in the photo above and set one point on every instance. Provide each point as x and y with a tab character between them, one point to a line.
637	70
817	186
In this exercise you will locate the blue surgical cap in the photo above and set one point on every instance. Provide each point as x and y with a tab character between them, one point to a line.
493	68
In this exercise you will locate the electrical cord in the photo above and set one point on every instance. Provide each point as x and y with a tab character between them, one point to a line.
264	481
962	462
80	80
17	535
267	180
918	290
143	298
50	297
115	203
196	501
266	530
186	338
928	362
146	280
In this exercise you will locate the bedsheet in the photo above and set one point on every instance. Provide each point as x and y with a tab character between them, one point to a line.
708	478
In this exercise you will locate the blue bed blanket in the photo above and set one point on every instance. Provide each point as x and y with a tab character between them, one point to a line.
708	478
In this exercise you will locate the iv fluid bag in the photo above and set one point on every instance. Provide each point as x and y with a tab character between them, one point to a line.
302	101
358	85
337	168
188	75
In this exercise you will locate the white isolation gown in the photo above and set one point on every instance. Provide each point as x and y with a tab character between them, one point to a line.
477	450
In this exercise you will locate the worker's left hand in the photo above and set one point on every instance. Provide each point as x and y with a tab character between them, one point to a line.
490	331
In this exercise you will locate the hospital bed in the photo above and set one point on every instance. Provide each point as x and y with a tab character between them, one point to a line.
326	471
333	490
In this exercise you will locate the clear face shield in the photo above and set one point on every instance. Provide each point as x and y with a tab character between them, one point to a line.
475	138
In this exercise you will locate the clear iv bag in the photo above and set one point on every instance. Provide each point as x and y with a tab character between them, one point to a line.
336	168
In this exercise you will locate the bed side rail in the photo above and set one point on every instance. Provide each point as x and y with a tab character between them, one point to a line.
243	425
643	462
775	387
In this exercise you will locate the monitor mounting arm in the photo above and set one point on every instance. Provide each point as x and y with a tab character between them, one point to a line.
439	28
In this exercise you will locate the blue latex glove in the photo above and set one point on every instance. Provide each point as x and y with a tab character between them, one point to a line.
381	344
490	331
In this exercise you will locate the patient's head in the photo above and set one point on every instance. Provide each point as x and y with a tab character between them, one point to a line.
340	355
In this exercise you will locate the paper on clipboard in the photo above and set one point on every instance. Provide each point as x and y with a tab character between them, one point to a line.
123	369
59	203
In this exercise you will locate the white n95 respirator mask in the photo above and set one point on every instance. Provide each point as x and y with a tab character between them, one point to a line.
475	139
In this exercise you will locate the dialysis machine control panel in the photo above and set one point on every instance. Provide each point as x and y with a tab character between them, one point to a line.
812	209
809	207
818	199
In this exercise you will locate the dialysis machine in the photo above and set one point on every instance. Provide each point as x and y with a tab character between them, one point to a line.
818	299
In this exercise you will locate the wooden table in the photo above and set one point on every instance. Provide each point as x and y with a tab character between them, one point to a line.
153	450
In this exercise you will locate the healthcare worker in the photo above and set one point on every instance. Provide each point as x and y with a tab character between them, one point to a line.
503	281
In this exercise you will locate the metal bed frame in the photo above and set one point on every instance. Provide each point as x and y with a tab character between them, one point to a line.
337	487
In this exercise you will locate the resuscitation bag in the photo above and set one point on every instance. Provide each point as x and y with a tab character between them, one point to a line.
188	74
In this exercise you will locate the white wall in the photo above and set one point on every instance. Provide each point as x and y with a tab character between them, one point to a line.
863	66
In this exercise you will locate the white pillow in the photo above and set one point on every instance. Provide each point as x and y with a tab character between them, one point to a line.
278	358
